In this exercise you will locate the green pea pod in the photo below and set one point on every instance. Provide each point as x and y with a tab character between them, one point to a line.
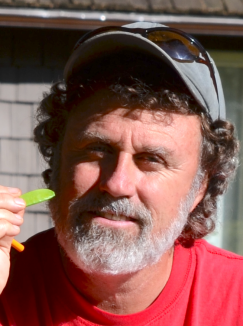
32	198
37	196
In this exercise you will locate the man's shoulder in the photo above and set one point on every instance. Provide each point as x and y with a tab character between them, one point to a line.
33	263
35	247
213	259
46	235
32	278
202	246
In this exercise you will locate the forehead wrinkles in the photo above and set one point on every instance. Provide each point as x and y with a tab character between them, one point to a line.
80	121
141	117
152	121
88	114
155	121
122	127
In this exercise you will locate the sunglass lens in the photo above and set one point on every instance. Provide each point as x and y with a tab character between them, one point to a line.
178	47
177	50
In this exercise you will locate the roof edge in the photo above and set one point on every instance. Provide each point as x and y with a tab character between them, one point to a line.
87	20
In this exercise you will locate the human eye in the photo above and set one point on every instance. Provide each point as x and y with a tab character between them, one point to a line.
97	150
150	161
97	147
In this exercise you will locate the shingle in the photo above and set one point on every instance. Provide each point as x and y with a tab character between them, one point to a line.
20	182
13	180
234	7
33	81
45	3
8	86
125	5
214	6
43	222
187	6
33	223
35	183
161	5
41	165
6	180
6	2
27	157
6	47
142	5
21	120
27	48
61	3
41	207
55	51
81	4
24	3
201	7
34	121
57	74
5	119
28	228
9	156
28	92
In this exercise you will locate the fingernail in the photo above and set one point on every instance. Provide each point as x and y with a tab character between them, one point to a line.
13	190
19	201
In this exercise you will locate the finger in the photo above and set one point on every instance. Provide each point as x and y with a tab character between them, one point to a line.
16	192
15	219
7	230
13	204
7	234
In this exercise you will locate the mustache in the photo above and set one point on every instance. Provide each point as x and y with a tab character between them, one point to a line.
107	204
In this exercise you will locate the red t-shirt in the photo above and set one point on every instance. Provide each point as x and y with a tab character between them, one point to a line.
205	288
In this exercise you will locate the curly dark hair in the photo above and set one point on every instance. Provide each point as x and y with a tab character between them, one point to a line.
133	87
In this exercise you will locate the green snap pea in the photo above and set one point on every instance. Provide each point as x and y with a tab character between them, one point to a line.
37	196
32	198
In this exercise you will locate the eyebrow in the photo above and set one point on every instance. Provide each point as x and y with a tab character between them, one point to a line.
93	135
158	150
96	136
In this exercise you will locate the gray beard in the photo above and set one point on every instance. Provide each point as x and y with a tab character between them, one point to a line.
114	251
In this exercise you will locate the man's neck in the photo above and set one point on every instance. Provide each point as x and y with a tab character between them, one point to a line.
122	294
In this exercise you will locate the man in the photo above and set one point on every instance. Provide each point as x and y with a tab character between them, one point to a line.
138	153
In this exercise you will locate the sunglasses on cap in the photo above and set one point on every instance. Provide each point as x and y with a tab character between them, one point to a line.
180	46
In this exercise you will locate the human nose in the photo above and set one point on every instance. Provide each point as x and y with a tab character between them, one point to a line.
119	180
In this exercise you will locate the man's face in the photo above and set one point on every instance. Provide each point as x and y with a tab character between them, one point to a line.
145	161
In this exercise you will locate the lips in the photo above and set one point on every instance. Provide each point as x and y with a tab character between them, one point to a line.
112	217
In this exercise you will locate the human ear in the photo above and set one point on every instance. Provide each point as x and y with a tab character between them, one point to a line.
200	193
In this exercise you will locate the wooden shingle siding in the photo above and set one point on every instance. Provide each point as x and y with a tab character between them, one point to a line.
34	221
28	91
29	63
27	69
6	48
20	161
21	120
5	120
8	89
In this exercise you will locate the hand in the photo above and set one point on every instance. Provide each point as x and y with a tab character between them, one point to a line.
11	217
